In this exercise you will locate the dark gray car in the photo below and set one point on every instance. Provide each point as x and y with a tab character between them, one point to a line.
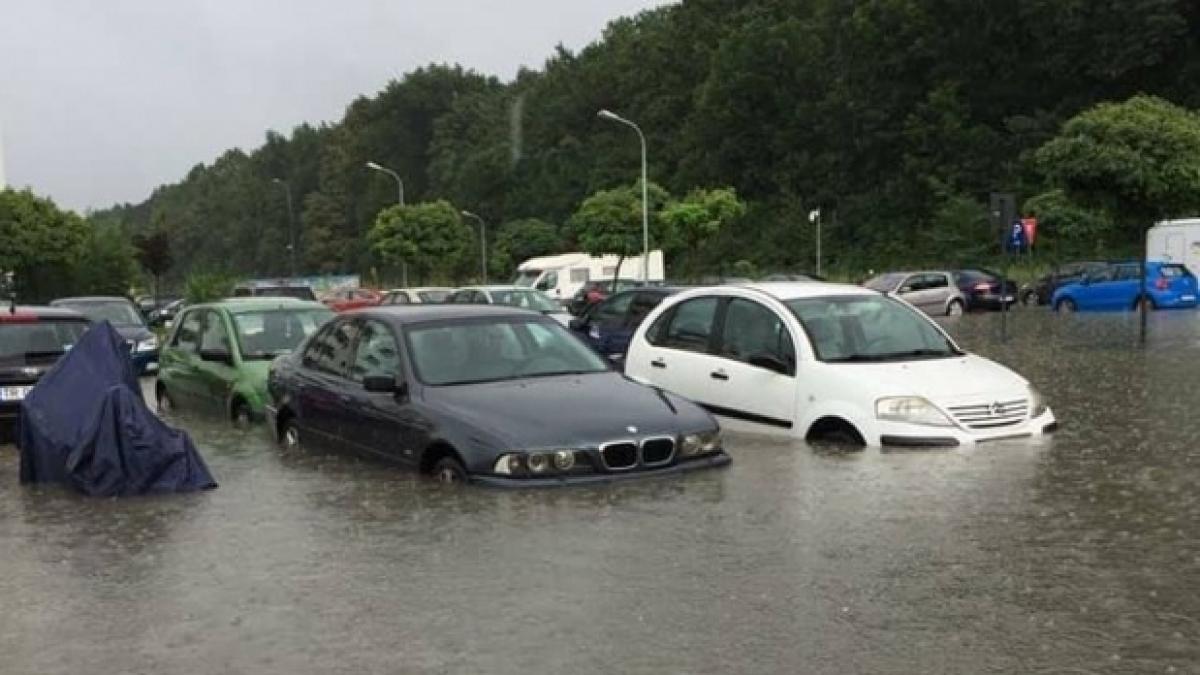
484	394
933	292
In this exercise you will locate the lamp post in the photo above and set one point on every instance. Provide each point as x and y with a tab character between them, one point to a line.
613	117
400	187
814	216
287	190
482	243
393	174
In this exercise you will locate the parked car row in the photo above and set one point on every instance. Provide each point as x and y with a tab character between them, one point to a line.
1120	286
947	292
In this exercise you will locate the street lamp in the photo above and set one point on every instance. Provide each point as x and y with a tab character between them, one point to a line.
613	117
482	243
400	185
287	189
393	174
814	216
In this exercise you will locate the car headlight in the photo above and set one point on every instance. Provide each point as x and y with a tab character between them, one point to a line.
148	345
911	410
1037	404
509	465
705	443
535	463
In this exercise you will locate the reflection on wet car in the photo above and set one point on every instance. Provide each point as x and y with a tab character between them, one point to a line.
482	394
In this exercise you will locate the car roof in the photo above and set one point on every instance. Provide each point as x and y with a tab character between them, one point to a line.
418	289
408	314
794	290
259	304
89	298
496	287
41	312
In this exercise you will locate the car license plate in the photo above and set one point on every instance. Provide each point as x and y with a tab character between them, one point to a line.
14	393
1009	298
1188	298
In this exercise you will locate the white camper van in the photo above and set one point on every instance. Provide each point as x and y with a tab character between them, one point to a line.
560	276
1175	241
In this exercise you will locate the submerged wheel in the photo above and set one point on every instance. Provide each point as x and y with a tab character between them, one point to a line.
1030	298
1066	306
166	404
1147	300
449	471
240	415
955	308
289	437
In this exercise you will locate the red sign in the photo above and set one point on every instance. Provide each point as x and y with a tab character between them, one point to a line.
1030	225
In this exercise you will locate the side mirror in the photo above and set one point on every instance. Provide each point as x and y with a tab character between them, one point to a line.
379	384
905	289
769	362
216	356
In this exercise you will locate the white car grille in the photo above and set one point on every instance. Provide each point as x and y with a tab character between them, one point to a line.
991	415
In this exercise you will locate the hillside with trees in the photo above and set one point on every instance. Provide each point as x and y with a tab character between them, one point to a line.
895	117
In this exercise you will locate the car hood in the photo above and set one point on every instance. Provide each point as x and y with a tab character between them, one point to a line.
568	410
954	379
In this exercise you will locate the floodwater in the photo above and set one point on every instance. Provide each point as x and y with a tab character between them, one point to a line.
1078	554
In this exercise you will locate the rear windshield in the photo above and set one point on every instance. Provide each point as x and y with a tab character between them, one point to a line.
39	340
117	313
433	297
300	292
267	334
1175	271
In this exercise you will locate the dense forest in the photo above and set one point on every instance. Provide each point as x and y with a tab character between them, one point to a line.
896	118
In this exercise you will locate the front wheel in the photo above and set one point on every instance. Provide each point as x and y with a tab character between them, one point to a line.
166	405
449	471
955	308
1146	300
240	415
289	437
1066	306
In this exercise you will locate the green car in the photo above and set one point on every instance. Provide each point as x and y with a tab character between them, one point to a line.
217	355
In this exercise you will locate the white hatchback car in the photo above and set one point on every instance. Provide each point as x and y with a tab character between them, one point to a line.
830	362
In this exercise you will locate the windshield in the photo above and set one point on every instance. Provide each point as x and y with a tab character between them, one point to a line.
267	334
298	292
433	297
478	351
534	300
869	328
38	340
117	313
884	282
527	278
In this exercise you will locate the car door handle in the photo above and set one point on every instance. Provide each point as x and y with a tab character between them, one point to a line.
658	363
719	375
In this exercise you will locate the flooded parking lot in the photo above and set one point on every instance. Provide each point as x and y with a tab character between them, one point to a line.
1079	553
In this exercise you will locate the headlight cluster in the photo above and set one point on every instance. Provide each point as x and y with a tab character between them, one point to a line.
1037	404
911	410
147	345
535	463
706	443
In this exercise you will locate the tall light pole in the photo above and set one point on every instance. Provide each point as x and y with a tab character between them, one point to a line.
814	216
482	243
287	190
613	117
393	174
400	185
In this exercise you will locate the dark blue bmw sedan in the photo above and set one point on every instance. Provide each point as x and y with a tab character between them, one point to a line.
483	394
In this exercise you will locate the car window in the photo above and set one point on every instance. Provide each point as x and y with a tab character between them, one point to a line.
433	297
643	304
1174	271
1128	272
751	329
579	275
933	281
269	333
869	328
215	337
377	352
118	313
549	281
27	341
884	282
1107	273
690	325
187	337
613	309
461	297
330	351
397	299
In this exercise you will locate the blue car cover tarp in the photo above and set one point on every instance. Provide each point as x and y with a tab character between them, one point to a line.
86	425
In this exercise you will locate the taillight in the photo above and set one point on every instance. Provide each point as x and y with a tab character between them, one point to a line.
983	287
1162	284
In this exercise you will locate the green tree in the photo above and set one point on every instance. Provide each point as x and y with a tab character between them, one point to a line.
610	221
1138	161
431	237
36	234
322	218
700	216
154	255
520	240
108	264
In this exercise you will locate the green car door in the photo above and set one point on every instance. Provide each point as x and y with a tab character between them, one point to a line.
217	368
179	362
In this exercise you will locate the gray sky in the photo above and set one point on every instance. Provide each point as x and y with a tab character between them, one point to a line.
102	100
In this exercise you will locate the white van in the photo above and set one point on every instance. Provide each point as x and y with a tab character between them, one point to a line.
1175	241
560	276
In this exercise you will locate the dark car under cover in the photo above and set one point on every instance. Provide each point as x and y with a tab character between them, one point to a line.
505	396
85	425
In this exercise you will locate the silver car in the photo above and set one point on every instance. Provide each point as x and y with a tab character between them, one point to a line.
932	292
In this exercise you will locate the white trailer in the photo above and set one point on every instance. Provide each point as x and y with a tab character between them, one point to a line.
560	276
1175	241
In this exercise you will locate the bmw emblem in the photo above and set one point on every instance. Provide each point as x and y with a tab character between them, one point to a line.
631	429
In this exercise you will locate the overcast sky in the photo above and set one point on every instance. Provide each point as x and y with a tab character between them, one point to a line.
102	100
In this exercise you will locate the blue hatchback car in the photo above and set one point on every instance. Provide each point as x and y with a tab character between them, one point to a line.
609	325
1115	287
